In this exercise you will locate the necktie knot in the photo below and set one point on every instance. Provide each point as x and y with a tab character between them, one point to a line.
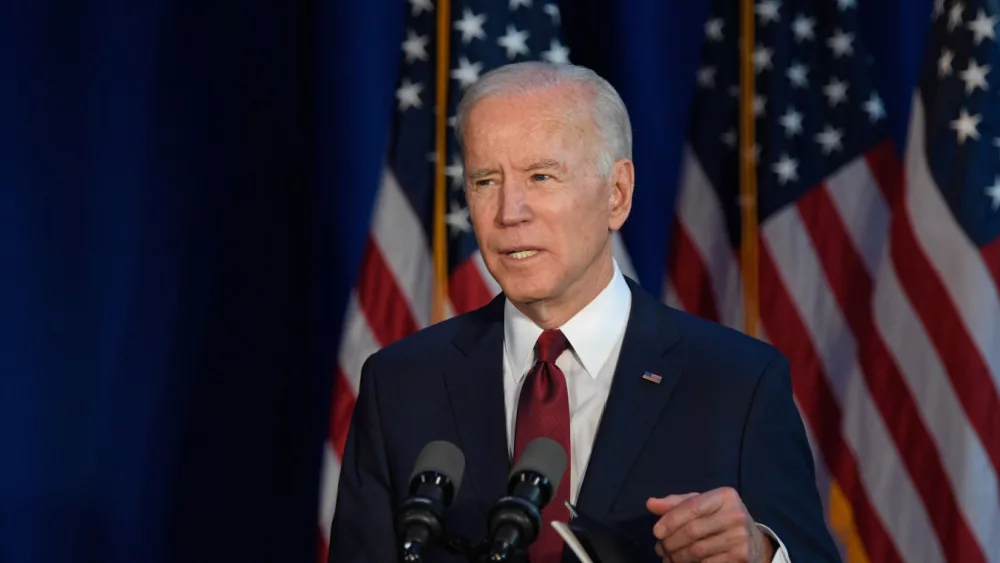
550	345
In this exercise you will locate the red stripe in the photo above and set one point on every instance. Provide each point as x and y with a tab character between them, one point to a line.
991	256
340	412
966	367
381	299
466	288
853	288
816	400
322	549
686	270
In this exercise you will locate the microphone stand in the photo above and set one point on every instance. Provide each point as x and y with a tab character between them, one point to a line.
480	552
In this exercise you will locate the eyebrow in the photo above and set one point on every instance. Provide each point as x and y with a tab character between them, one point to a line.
482	173
548	163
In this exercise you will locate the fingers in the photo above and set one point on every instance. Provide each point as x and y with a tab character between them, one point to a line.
694	530
660	506
731	545
697	506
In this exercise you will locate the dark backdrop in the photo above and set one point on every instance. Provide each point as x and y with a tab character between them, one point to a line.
184	191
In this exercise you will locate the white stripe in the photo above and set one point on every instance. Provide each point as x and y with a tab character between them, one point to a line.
700	214
880	466
400	236
971	475
957	261
965	461
857	198
328	490
670	296
357	342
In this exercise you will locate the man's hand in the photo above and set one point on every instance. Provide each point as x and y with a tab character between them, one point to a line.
707	527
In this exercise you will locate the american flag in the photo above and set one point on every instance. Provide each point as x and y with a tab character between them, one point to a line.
878	268
393	294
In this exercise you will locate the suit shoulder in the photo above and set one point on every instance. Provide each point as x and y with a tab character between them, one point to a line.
428	342
717	343
434	343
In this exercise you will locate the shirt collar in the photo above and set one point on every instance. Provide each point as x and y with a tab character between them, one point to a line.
593	332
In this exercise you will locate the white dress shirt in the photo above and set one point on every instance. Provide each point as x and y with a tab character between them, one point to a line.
595	336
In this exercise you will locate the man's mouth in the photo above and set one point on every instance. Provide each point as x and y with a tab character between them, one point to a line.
522	254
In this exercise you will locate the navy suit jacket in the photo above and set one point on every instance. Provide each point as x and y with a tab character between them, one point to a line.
723	415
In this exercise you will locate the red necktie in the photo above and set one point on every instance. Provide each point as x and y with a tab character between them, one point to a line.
543	410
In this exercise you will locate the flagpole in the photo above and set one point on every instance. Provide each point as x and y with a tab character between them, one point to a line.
440	250
748	173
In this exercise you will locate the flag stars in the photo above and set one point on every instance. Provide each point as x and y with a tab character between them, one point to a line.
759	103
515	4
966	126
408	95
804	28
797	75
993	192
938	9
982	27
471	26
729	138
841	44
762	58
944	63
830	139
975	77
553	12
706	77
845	4
415	46
792	122
787	169
557	53
835	91
455	172
713	29
458	219
515	42
467	73
767	11
955	15
417	7
874	108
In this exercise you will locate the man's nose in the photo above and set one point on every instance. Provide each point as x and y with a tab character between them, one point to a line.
514	206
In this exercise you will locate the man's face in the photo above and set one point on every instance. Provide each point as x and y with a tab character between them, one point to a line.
540	210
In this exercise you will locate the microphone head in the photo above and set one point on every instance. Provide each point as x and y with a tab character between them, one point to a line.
543	456
444	458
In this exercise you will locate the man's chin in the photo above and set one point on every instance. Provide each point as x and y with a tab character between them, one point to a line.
524	296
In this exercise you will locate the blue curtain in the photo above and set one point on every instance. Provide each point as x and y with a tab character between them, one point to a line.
185	187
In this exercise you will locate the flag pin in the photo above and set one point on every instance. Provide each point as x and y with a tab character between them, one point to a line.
650	376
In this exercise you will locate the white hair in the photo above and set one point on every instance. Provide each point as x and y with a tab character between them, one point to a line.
606	106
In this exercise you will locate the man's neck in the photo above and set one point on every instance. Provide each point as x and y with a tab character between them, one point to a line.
554	313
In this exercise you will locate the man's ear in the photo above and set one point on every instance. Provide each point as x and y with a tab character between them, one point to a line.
622	179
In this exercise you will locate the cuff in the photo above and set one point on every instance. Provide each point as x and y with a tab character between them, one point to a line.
780	554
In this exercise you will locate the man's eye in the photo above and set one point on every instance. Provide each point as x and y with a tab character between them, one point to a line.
484	182
540	177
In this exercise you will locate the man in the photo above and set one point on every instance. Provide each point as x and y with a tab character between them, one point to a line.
682	435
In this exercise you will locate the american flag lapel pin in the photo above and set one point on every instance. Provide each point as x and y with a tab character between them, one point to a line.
650	376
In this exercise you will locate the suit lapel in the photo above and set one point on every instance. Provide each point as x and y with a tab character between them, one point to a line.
634	404
475	389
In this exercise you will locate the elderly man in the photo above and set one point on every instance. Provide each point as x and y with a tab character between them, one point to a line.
682	435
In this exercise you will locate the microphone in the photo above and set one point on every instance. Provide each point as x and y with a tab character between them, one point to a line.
434	483
515	519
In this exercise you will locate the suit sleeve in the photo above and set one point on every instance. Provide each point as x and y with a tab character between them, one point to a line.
362	529
777	476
